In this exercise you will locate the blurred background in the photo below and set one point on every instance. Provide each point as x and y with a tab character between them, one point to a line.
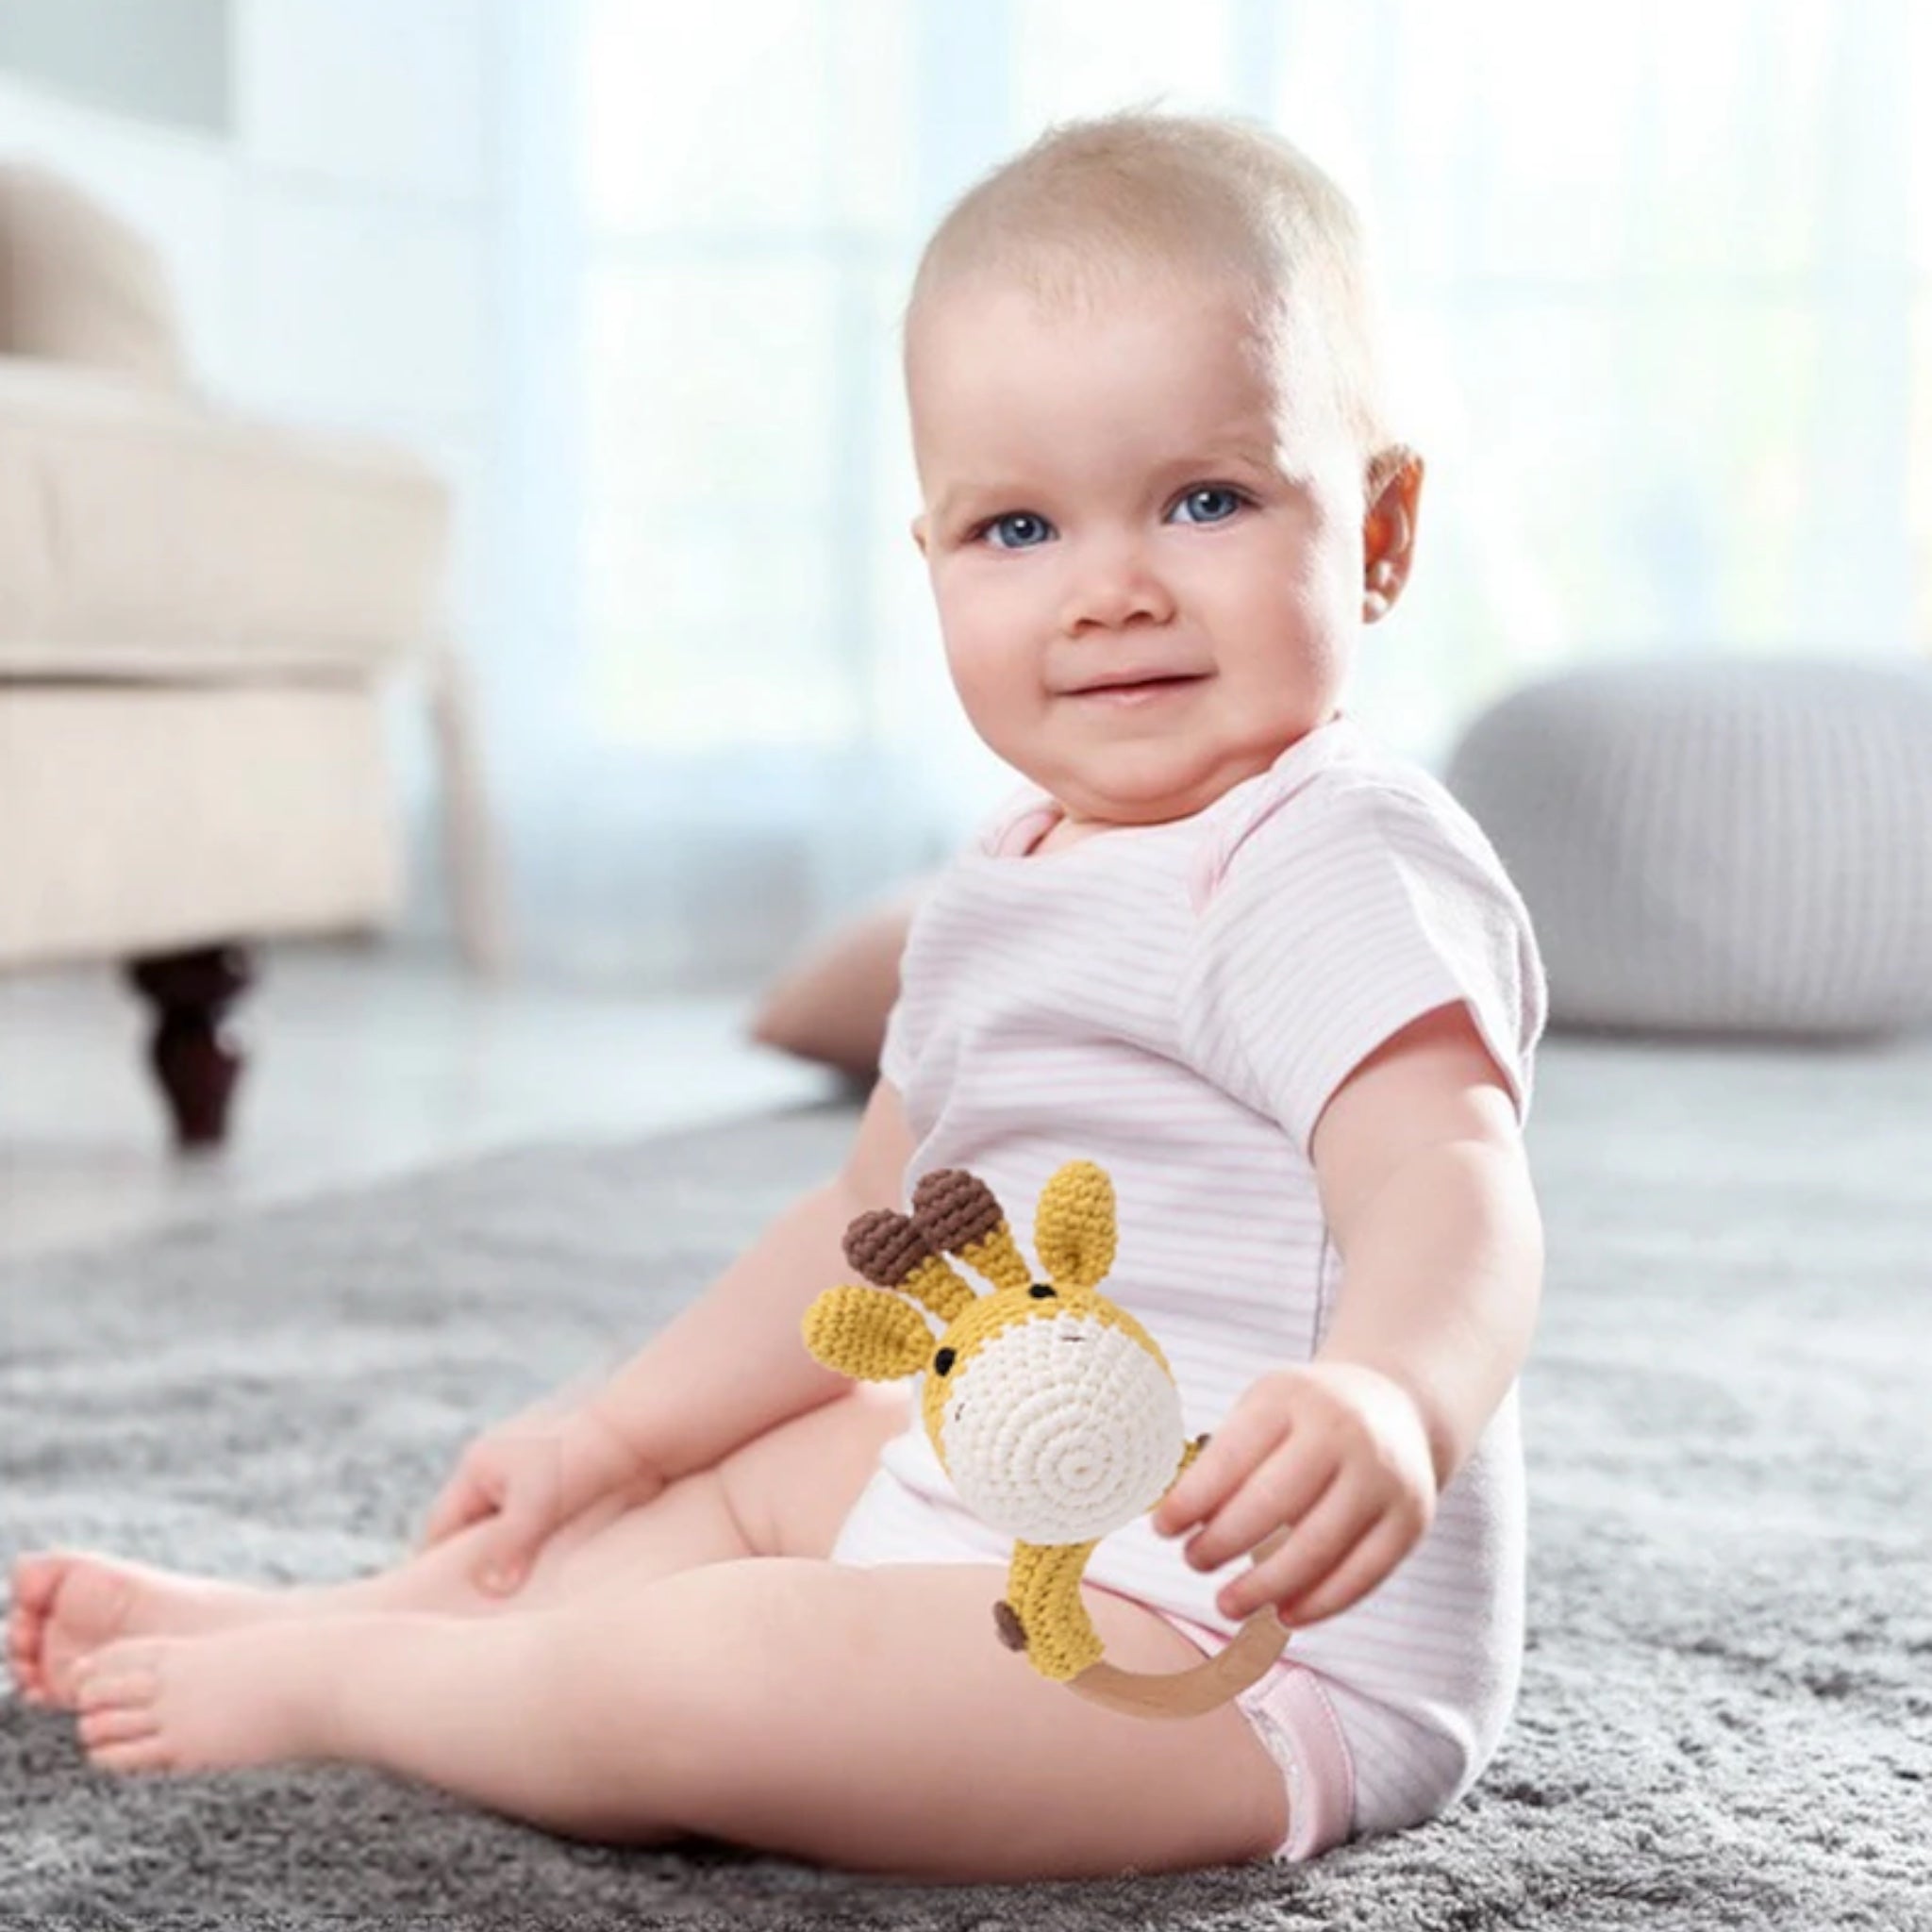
468	693
455	501
623	279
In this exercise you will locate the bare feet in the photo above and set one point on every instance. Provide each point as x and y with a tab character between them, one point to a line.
179	1704
68	1603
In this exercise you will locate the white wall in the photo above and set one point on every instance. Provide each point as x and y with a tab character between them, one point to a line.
164	60
335	254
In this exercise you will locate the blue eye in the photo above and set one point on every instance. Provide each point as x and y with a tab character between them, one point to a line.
1017	517
1028	529
1213	492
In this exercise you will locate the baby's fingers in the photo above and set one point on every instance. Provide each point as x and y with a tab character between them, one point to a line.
1284	1489
1234	1451
462	1503
1367	1565
1318	1547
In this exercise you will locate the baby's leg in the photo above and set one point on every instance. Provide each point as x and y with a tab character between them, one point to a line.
66	1603
784	1493
866	1718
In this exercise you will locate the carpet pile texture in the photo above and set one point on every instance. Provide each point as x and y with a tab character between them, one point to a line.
1726	1715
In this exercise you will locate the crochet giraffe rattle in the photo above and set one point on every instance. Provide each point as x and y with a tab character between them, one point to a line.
1052	1409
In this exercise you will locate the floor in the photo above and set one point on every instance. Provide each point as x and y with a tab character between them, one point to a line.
367	1063
363	1064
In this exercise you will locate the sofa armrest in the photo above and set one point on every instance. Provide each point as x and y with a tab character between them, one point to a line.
148	532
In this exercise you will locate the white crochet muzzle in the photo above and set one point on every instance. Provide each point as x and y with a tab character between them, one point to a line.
1061	1429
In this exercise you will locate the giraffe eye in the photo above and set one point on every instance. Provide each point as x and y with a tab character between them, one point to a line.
1040	1293
943	1362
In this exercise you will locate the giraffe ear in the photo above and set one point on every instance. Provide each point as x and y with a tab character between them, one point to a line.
868	1334
885	1247
1074	1230
960	1215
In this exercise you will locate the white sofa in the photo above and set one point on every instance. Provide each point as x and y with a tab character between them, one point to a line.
198	615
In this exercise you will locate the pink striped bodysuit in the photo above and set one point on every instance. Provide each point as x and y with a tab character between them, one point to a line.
1178	1002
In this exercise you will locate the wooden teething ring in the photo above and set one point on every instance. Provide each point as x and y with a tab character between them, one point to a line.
1204	1686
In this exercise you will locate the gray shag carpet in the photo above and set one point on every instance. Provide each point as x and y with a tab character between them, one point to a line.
1725	1713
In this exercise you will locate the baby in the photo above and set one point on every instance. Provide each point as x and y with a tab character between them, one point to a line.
1265	972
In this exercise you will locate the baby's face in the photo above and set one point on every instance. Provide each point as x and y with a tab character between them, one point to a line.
1134	495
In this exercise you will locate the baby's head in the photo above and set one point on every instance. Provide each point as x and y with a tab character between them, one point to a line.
1149	436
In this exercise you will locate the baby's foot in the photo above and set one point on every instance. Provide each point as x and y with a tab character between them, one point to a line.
246	1696
67	1604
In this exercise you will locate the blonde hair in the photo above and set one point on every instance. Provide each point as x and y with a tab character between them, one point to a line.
1094	205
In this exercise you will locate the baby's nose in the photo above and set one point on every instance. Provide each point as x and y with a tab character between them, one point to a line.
1110	589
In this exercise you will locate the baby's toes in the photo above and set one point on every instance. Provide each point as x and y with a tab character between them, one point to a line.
34	1579
118	1675
117	1706
117	1724
149	1753
25	1631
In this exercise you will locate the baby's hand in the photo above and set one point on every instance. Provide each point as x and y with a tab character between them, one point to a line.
533	1474
1337	1452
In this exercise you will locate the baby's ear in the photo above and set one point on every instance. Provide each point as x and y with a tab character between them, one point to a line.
1395	484
868	1333
920	526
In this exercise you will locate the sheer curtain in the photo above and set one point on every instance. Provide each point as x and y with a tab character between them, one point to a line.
1655	285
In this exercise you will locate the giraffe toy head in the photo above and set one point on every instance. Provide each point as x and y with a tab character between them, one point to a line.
1052	1409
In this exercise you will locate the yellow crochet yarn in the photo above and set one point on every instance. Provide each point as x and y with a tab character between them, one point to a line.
1051	1408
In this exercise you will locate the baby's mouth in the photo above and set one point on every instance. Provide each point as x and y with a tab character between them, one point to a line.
1142	689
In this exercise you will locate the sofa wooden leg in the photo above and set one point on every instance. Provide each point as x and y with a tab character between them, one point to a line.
194	1052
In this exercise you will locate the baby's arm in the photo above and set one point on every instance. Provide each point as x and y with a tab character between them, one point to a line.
1426	1188
734	1364
1427	1193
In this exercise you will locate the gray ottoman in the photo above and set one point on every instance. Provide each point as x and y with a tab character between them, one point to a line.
1719	844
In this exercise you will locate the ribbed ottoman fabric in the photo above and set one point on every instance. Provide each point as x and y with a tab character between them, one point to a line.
1718	844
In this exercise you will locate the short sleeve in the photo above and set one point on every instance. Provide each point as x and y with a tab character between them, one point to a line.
895	1053
1337	922
908	1018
